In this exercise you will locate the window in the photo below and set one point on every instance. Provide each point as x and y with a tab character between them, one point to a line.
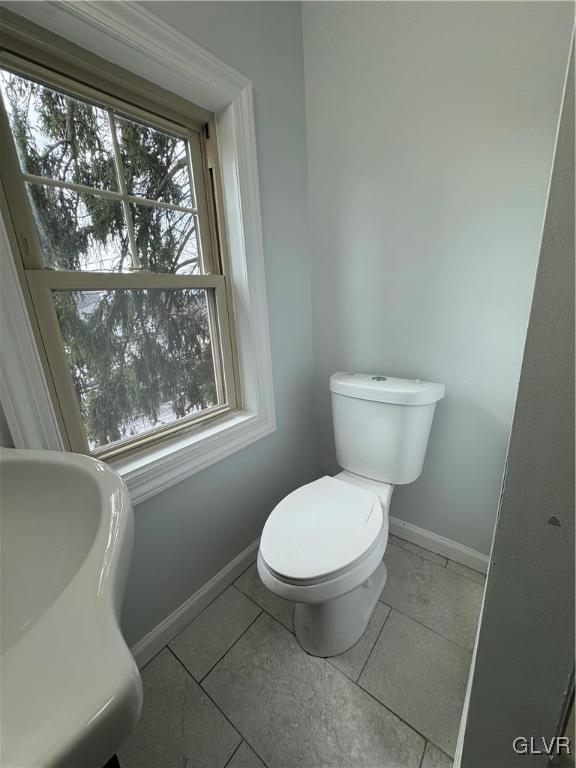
115	208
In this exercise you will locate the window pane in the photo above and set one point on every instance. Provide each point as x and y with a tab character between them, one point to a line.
58	136
140	359
155	163
78	231
166	240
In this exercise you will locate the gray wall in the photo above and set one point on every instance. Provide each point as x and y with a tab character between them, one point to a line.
525	651
430	137
188	533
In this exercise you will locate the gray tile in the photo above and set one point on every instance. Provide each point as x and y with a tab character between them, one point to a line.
435	758
249	583
468	573
351	661
179	724
416	550
421	677
297	710
432	595
244	757
210	635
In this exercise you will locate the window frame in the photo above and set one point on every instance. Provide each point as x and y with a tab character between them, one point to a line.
41	280
129	43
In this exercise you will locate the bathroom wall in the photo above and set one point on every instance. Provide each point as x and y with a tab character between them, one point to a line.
199	525
430	138
534	538
186	534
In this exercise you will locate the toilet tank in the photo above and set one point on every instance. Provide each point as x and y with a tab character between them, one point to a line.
382	424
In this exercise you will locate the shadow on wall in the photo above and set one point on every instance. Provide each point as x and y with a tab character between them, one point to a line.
468	443
5	436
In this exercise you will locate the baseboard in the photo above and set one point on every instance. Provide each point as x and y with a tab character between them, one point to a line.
435	543
167	630
157	638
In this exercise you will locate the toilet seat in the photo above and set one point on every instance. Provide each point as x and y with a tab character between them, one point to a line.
331	588
326	533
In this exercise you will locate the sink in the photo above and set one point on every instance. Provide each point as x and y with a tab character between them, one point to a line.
70	689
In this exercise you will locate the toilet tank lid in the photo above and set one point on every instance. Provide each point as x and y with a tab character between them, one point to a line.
386	389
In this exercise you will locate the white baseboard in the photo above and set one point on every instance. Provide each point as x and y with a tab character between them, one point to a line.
167	630
435	543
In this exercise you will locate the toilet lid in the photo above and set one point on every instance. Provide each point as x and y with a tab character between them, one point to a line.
320	529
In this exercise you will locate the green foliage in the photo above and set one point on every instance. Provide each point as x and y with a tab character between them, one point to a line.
137	357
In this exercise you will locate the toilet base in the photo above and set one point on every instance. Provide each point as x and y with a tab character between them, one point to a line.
330	628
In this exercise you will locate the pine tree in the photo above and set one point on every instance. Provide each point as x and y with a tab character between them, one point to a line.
129	351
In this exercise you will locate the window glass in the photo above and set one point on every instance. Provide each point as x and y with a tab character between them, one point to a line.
79	231
166	240
129	313
155	164
68	142
57	136
140	359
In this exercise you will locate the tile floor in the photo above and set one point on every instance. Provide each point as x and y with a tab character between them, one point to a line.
235	690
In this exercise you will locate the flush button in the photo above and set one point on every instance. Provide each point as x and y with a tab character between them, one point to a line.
379	378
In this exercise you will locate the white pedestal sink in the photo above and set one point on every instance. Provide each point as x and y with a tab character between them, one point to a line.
70	690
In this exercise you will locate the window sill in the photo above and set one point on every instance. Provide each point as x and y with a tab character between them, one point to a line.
153	470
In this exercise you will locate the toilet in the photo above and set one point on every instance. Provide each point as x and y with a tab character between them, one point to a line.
322	546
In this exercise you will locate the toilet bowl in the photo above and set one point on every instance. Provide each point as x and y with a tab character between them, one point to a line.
322	546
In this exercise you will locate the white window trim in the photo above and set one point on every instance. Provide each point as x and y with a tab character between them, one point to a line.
128	35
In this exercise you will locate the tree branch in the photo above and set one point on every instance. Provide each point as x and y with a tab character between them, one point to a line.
52	147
